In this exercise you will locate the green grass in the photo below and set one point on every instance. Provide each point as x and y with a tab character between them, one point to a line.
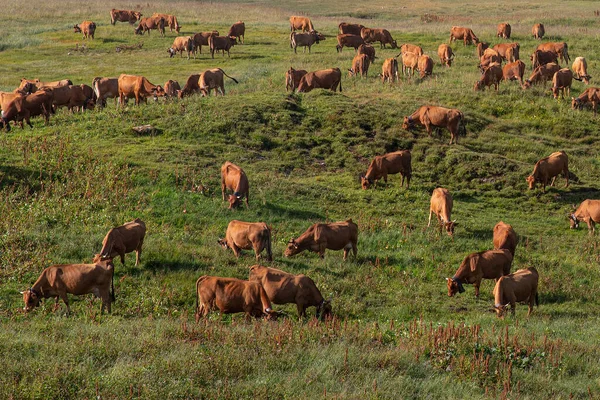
396	333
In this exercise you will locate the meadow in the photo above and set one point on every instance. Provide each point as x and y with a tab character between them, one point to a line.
396	333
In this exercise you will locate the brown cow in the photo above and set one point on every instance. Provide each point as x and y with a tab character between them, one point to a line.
22	108
105	88
589	95
149	23
58	280
541	57
388	164
123	239
138	87
347	40
548	168
285	288
319	237
321	79
445	54
368	50
538	31
520	286
514	71
36	84
230	296
71	97
124	16
589	212
492	75
441	206
464	34
360	66
383	36
580	70
505	237
88	28
389	70
439	117
508	51
541	74
560	48
301	23
191	86
172	88
412	48
213	79
490	264
223	43
238	30
425	66
234	178
489	57
481	46
305	40
201	39
242	235
170	20
352	29
503	31
292	78
561	82
181	44
410	61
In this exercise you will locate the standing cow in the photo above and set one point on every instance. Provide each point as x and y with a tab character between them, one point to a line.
213	79
123	239
242	235
589	212
503	31
505	237
234	178
520	286
87	28
292	78
441	205
491	264
548	169
321	79
319	237
389	70
388	164
238	30
445	54
439	117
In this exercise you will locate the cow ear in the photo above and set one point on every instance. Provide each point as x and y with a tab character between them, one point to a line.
22	292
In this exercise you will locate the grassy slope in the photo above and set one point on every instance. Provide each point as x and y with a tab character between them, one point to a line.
65	185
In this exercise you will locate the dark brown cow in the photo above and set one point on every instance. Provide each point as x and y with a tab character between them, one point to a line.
445	54
319	237
589	212
514	71
105	88
213	79
123	239
549	168
71	97
352	29
505	237
538	31
492	75
89	93
347	40
242	235
580	70
410	61
368	50
441	205
490	264
201	39
149	23
234	178
412	48
360	66
541	74
305	40
301	23
22	108
425	66
181	44
170	21
520	286
138	87
464	34
388	164
541	57
508	51
223	43
439	117
87	28
561	82
321	79
124	16
172	88
481	46
389	70
285	288
383	36
503	31
560	48
191	86
292	78
589	95
238	30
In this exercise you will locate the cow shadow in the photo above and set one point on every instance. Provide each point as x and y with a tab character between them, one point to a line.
576	195
113	40
553	298
486	234
164	265
292	213
11	176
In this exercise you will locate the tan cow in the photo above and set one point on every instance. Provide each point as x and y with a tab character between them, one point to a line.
319	237
22	108
284	288
181	44
441	206
124	16
138	87
589	95
36	84
321	79
481	46
242	235
71	97
508	51
541	57
87	28
514	71
503	31
389	70
292	78
492	75
368	50
538	31
172	88
383	36
560	48
548	168
580	70
410	61
305	40
234	178
149	23
439	117
201	39
464	34
347	40
353	29
490	264
170	21
122	240
238	30
223	43
213	79
520	286
561	83
589	212
360	66
191	86
412	48
490	56
505	237
105	88
541	74
301	23
425	66
445	54
388	164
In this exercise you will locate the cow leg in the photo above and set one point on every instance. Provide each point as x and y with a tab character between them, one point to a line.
428	129
476	285
301	310
591	227
236	250
346	250
122	258
63	296
566	174
552	181
247	198
354	249
138	254
223	189
429	223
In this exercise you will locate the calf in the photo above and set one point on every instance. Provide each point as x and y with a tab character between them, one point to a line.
138	87
319	237
520	286
492	75
347	40
541	74
88	28
360	66
181	44
223	43
123	239
439	117
388	164
490	264
305	40
237	31
234	178
292	78
191	86
580	70
201	39
548	168
389	70
321	79
505	237
247	235
561	82
589	212
503	31
445	54
441	206
425	66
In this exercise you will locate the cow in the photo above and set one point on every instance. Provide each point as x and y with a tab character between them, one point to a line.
318	237
172	88
561	82
348	40
464	34
284	288
548	168
89	93
149	23
589	95
293	77
505	237
124	16
481	46
22	108
425	66
32	85
242	235
514	71
580	70
541	74
138	87
87	28
508	51
213	79
389	70
71	97
321	79
237	31
58	280
538	31
541	57
503	31
410	61
301	23
105	88
383	36
230	295
492	75
439	117
223	43
560	48
191	86
412	48
490	264
352	29
368	50
360	66
445	54
122	240
520	286
170	20
489	57
201	39
181	44
234	178
441	206
388	164
305	40
589	212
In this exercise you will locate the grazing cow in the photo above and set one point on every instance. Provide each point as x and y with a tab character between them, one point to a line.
589	95
321	79
285	288
138	87
305	40
71	97
36	84
492	75
230	296
548	168
352	29
410	61
388	164
439	117
508	51
589	212
213	79
503	31
347	40
541	74
201	39
481	46
191	86
234	178
489	56
505	237
317	238
580	70
172	88
445	54
124	16
360	66
123	239
514	71
170	20
292	78
237	31
425	66
181	44
541	57
89	93
538	31
464	34
301	23
520	286
561	82
87	28
58	280
22	108
242	235
368	50
105	88
389	70
223	43
412	48
560	48
441	206
149	23
490	264
383	36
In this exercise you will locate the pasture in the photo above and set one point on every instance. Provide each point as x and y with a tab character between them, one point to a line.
396	333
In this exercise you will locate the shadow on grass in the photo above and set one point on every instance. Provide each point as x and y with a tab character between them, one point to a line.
292	213
163	265
485	234
10	176
553	298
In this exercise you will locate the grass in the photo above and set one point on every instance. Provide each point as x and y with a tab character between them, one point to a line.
396	333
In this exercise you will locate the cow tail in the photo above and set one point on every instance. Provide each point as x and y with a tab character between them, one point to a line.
233	79
198	282
340	84
291	40
537	300
95	86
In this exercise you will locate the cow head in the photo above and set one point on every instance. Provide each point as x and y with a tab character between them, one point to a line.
158	91
234	200
324	310
454	286
531	182
501	310
449	225
365	182
137	15
223	243
394	44
171	52
407	123
573	221
31	298
139	30
575	103
351	72
232	40
76	29
478	85
292	248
